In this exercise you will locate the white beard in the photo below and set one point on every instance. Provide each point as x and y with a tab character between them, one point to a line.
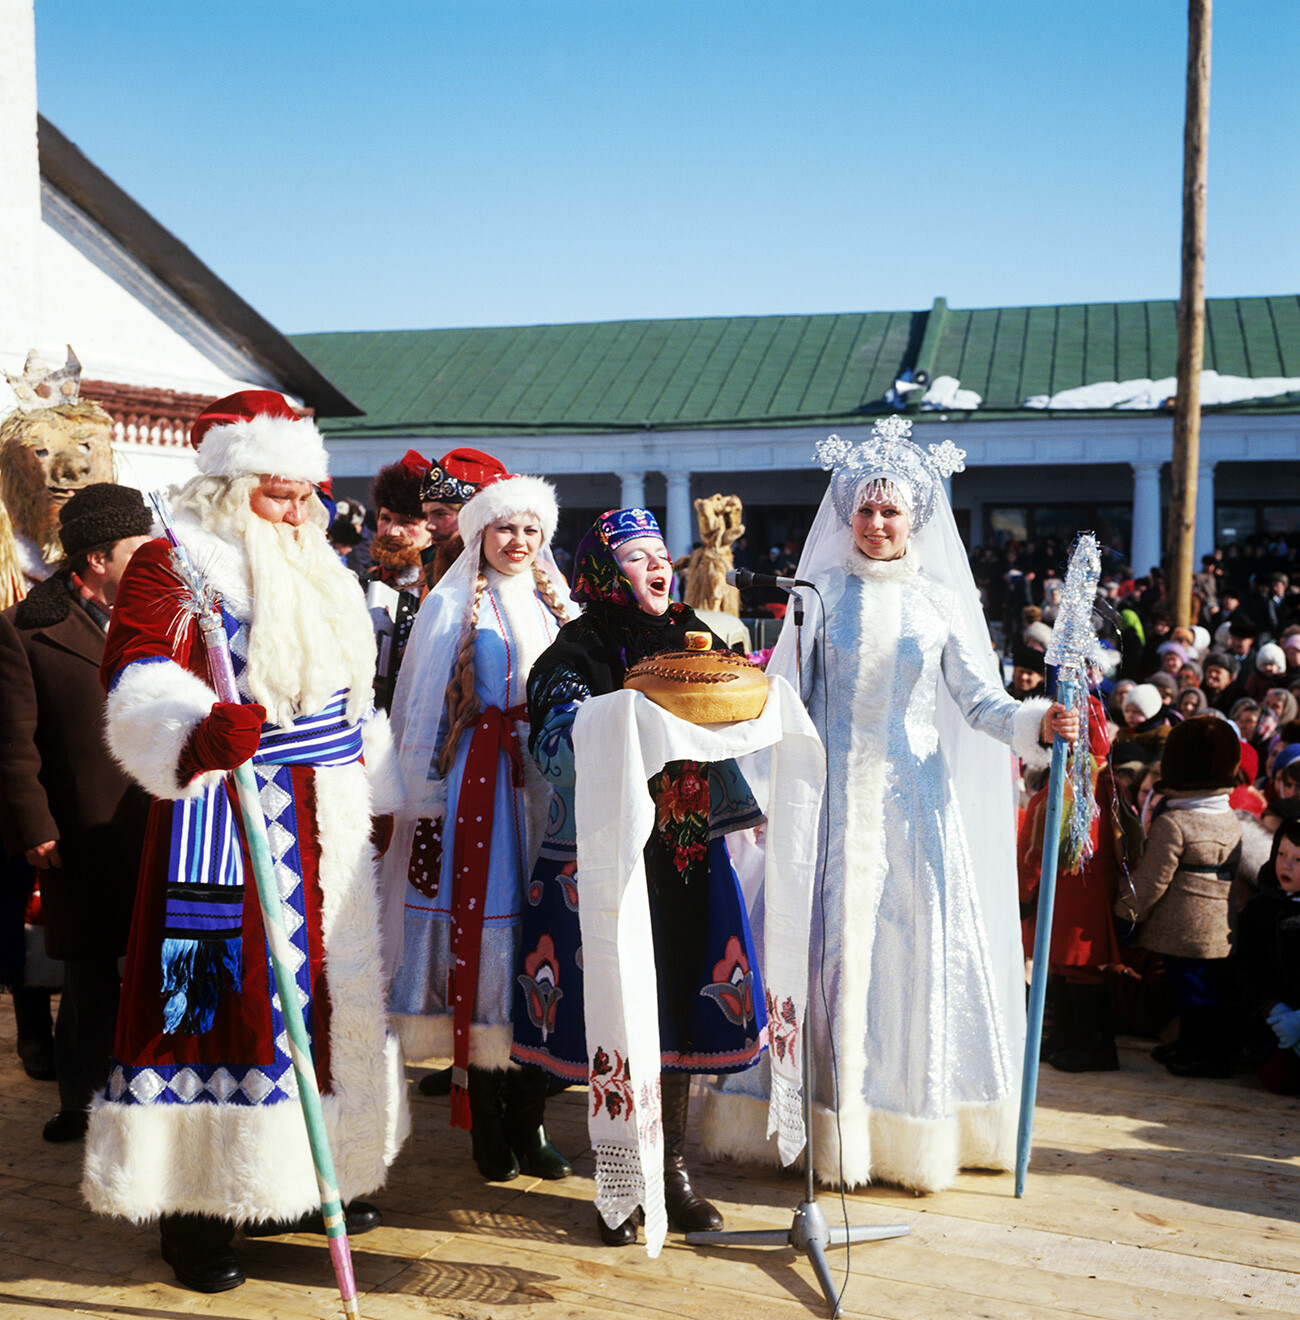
309	634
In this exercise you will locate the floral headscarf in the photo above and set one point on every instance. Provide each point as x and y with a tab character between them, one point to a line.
596	573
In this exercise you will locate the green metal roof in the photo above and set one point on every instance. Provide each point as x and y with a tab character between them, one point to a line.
773	370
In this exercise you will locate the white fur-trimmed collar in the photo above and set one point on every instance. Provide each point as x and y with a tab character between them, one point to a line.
880	570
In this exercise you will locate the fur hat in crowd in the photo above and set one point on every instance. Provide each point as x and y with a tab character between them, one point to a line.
1241	625
504	499
397	486
1222	660
1146	697
1202	754
1038	632
256	433
1164	683
1028	657
100	514
1271	654
1201	639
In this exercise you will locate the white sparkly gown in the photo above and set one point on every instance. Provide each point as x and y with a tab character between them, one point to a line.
926	1004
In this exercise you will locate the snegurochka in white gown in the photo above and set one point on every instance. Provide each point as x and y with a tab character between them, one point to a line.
917	999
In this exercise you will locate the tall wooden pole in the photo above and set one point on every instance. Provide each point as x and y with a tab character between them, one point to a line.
1191	316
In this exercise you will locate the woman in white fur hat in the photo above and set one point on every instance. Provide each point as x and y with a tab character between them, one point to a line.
473	819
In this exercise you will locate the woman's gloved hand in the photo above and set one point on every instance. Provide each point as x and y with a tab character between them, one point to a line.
1285	1022
224	740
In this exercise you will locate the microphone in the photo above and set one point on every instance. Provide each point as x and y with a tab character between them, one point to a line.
742	577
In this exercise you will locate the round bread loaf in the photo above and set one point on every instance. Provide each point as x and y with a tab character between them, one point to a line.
702	687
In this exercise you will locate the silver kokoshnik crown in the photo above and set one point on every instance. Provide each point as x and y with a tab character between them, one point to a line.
890	464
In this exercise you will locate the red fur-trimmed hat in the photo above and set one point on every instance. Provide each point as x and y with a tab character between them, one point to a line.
257	433
397	486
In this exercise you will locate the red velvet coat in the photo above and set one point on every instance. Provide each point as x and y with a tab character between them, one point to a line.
1083	925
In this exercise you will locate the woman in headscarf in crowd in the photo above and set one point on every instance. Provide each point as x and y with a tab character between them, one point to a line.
1190	701
711	1015
916	932
459	718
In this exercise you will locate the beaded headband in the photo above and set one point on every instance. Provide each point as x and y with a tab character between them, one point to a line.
889	460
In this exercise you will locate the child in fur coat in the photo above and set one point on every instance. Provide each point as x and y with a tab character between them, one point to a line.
1181	899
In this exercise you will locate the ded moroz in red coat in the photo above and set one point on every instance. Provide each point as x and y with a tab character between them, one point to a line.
209	1123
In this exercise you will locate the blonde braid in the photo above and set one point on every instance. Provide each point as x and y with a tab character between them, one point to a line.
461	701
546	590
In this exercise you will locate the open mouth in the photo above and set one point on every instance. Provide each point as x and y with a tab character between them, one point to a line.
659	585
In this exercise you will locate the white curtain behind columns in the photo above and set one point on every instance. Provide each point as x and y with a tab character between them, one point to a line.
1144	552
679	535
1203	542
632	490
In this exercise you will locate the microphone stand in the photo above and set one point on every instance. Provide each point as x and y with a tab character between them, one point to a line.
809	1232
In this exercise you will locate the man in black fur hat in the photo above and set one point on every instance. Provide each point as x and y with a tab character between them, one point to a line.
68	807
394	586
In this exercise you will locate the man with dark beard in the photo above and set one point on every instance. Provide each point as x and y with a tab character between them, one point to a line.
394	586
199	1125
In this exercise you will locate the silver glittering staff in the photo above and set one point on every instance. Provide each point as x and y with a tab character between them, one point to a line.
1073	647
200	602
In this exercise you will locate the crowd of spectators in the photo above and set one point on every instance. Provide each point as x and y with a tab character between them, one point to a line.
1232	680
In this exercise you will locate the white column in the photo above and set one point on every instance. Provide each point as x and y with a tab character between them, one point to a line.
632	495
679	535
20	195
1144	553
1203	542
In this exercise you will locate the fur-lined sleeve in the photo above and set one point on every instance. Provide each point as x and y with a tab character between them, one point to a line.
154	701
985	704
153	708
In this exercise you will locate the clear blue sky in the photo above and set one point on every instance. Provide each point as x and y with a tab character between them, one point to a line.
382	165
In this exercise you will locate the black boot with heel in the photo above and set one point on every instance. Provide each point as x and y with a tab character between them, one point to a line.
688	1212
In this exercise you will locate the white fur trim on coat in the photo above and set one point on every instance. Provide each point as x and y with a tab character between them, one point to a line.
262	446
1025	728
427	1038
249	1162
924	1155
504	499
152	710
383	772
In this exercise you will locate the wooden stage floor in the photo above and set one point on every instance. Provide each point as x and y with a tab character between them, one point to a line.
1148	1196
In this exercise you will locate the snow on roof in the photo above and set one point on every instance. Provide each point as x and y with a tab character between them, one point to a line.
1149	395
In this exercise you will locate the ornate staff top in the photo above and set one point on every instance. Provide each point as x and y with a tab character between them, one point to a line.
1074	646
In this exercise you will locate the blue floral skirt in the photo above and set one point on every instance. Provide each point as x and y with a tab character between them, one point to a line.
711	1013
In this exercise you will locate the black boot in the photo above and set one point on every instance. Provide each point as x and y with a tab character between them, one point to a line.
688	1212
622	1236
492	1153
197	1247
435	1083
1203	1048
1060	1030
1094	1047
35	1026
358	1217
524	1098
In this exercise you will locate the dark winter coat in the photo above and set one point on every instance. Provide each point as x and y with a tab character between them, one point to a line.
57	778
